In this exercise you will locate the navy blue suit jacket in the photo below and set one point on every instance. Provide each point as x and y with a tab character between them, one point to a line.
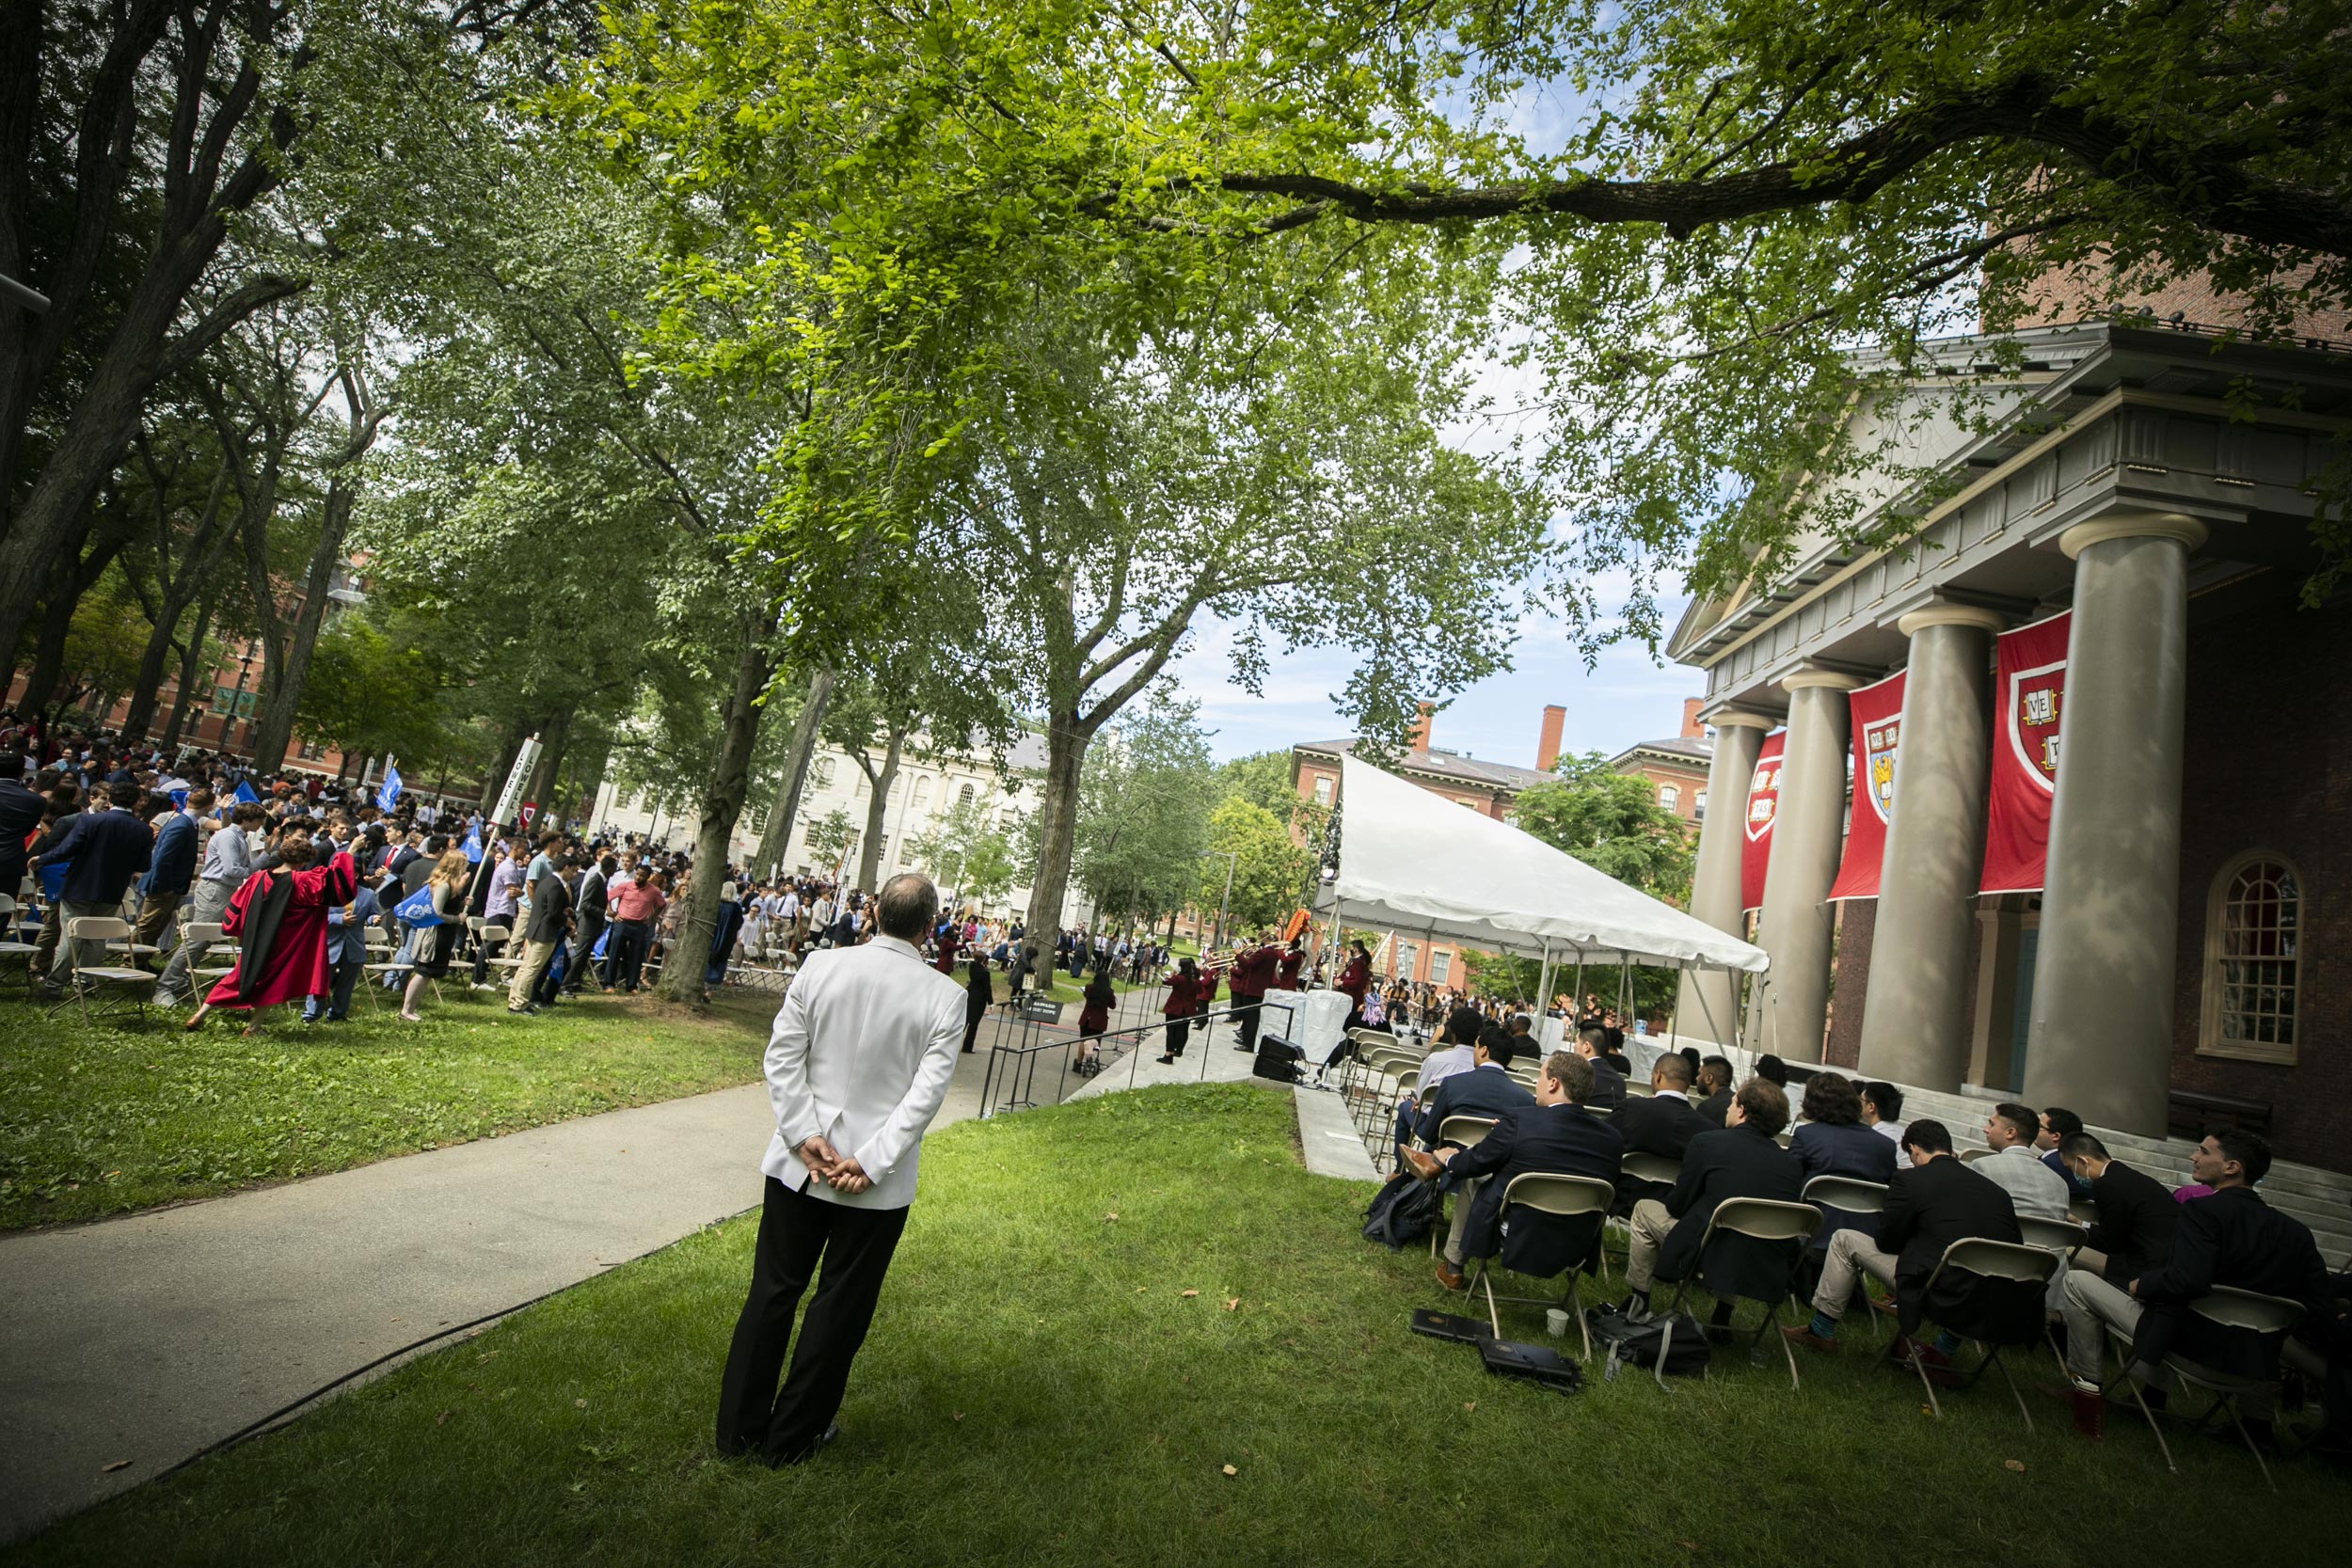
174	863
106	848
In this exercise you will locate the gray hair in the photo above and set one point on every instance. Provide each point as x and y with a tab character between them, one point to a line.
907	906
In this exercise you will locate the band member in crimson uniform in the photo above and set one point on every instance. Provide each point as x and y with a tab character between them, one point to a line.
278	919
1294	959
1253	973
1184	1000
1355	980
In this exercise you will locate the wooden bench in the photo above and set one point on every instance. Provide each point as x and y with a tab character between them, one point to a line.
2192	1115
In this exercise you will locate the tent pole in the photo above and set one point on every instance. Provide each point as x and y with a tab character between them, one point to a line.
1575	996
1543	987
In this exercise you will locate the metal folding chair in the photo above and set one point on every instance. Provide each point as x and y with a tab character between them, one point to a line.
12	950
1853	1195
1553	1194
2270	1318
101	931
1761	1219
1991	1261
1465	1131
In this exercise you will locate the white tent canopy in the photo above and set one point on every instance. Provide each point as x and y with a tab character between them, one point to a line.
1413	861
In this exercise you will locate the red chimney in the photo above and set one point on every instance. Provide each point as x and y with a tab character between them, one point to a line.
1548	743
1691	728
1418	739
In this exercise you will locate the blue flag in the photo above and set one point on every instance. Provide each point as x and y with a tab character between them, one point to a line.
386	797
473	843
244	793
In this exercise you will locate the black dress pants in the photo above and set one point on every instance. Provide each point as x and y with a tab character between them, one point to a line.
1249	1009
795	1229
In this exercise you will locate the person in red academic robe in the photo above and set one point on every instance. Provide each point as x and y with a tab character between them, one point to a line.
278	919
1355	980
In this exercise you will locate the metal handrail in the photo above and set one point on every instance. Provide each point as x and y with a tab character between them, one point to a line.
1131	1038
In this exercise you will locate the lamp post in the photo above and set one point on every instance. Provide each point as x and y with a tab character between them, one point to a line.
1233	858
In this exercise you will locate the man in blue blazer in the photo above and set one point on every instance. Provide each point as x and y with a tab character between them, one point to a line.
172	872
106	850
346	954
1484	1091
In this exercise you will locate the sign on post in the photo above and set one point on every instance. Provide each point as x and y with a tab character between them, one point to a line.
1041	1010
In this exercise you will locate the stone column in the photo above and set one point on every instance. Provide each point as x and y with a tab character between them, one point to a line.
2101	1039
1707	1005
1791	1010
1914	1011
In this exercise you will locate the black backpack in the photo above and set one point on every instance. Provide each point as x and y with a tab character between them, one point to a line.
1640	1343
1402	1211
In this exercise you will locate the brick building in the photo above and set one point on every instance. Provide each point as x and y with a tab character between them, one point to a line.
2189	951
1676	765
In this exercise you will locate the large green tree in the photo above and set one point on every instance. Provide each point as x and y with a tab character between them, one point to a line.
1612	822
1143	812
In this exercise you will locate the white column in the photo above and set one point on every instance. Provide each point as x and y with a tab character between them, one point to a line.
2101	1039
1915	1006
1706	1004
1791	1013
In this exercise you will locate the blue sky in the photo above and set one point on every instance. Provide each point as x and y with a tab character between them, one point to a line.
1624	698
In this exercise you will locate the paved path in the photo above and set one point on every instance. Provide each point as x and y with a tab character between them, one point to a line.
148	1337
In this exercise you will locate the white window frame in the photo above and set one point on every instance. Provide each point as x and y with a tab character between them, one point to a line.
2210	1041
1670	797
1441	966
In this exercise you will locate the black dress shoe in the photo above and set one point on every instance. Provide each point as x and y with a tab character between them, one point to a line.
804	1455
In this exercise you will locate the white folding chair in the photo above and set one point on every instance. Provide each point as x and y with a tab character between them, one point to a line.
2270	1318
12	950
1553	1194
1463	1132
1760	1219
1850	1194
207	932
101	931
1991	1261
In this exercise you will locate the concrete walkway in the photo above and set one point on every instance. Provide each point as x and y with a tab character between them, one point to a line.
148	1337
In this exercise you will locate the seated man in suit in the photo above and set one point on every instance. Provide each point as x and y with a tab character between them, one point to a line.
1663	1125
1832	1141
2232	1238
1936	1202
1715	1079
2010	1131
1608	1083
1454	1051
1556	1135
1485	1090
2133	1230
1739	1160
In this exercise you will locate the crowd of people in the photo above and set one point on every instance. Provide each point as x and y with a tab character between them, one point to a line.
2152	1250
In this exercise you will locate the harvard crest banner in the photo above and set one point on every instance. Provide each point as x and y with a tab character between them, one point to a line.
2029	703
1877	732
1756	838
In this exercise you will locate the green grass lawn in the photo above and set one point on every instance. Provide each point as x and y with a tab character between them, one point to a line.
1040	1390
119	1115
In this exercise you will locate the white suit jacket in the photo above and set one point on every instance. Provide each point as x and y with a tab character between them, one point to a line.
862	1053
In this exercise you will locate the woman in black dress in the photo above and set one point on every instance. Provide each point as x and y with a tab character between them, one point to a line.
977	997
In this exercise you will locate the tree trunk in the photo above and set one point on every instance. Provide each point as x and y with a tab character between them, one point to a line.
281	690
722	805
778	837
877	811
191	665
1057	828
540	786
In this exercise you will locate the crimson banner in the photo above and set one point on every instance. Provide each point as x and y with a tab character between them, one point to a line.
1755	841
1877	712
2028	702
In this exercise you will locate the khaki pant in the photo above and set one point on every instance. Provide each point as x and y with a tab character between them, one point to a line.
1464	1196
2091	1304
1851	1254
155	913
72	955
536	956
1647	1227
210	903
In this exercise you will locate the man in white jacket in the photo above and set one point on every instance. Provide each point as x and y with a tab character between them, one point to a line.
861	1053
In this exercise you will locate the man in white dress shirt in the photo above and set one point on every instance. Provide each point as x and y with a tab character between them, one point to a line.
862	1049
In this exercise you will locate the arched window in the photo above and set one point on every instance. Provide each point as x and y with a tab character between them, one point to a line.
2253	939
1669	796
922	795
964	798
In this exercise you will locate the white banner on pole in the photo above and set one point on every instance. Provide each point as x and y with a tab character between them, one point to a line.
511	796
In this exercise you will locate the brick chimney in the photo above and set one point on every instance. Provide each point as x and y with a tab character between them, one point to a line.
1418	738
1548	743
1691	728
